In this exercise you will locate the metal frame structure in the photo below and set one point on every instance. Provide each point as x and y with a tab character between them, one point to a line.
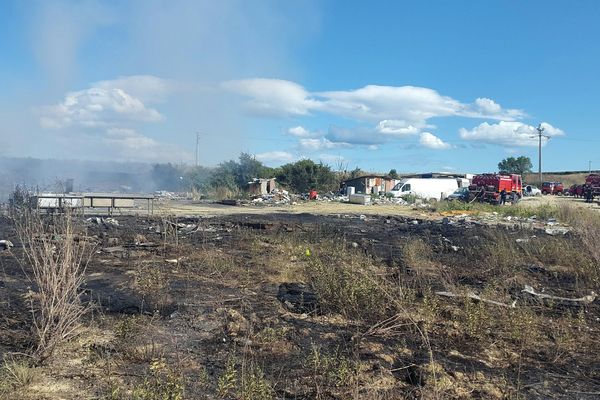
109	201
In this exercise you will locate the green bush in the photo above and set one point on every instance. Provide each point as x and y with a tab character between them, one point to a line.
304	175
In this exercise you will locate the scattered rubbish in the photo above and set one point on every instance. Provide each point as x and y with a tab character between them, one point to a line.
113	249
139	239
274	197
363	199
557	231
106	222
581	300
297	297
172	261
455	248
184	228
6	245
475	297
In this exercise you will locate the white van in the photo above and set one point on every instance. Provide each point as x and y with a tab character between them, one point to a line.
429	188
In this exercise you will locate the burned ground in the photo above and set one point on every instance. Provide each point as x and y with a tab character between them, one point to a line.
301	306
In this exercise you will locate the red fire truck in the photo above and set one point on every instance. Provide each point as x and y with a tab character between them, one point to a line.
594	181
487	187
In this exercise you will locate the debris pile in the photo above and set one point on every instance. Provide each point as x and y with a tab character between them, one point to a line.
106	222
298	297
276	196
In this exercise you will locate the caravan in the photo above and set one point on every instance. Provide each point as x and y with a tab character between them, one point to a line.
429	188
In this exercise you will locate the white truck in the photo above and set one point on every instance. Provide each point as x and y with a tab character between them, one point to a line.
425	188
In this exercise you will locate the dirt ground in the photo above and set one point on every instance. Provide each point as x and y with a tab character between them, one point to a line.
183	208
196	305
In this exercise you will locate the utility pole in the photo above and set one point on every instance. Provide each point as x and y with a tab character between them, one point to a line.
197	149
540	135
590	166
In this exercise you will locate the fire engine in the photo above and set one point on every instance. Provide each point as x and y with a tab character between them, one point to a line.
594	181
487	187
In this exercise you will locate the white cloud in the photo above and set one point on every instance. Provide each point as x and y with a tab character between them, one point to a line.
301	132
431	141
509	133
397	111
97	107
373	103
273	96
147	88
275	157
411	105
488	106
321	143
395	127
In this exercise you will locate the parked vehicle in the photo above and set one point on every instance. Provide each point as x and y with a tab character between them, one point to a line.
594	181
488	187
576	191
462	194
531	190
556	188
426	188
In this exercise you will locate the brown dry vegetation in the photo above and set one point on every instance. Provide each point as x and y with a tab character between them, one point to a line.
210	325
567	179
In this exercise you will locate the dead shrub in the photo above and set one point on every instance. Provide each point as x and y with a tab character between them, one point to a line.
57	258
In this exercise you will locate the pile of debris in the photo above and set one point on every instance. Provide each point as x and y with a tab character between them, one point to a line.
389	200
276	196
106	222
550	226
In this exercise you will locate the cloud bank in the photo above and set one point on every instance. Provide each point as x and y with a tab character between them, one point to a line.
509	133
381	114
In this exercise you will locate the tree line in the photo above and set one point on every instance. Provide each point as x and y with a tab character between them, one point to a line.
233	176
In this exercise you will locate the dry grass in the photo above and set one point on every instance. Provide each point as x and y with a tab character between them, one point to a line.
381	331
15	374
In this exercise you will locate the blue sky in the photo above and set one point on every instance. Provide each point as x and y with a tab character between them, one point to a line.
415	86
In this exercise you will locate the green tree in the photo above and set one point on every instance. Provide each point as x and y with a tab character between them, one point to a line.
511	165
393	174
356	172
304	175
235	175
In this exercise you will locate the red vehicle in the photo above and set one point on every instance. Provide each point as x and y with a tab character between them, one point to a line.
487	187
594	181
576	191
553	188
